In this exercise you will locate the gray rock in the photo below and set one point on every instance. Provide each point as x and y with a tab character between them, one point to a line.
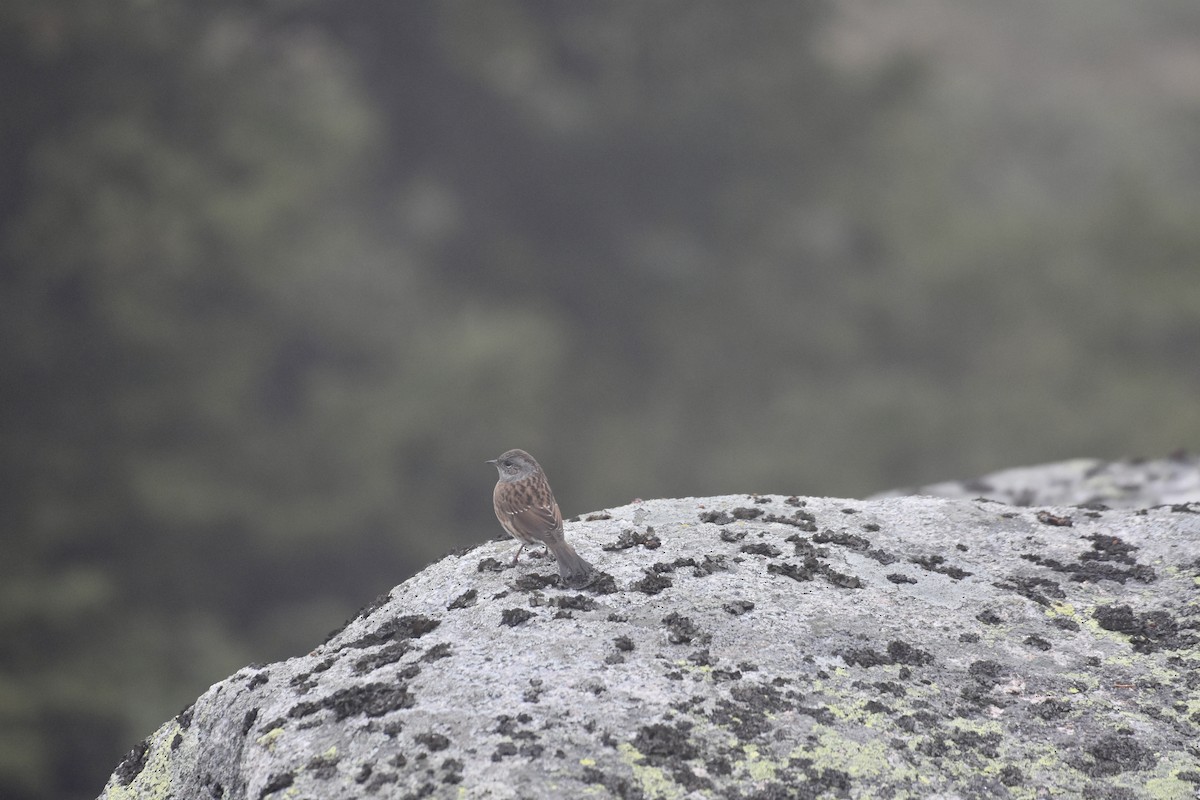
1116	484
743	647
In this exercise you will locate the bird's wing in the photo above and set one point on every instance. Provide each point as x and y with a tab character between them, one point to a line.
531	516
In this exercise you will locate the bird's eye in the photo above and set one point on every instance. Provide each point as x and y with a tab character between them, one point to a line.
507	463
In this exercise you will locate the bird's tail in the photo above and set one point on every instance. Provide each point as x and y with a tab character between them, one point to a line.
572	568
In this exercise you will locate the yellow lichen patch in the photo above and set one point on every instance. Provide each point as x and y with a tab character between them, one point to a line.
654	781
869	759
1089	682
1171	788
267	740
154	781
754	765
1061	610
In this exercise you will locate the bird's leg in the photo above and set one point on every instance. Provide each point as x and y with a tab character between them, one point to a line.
518	555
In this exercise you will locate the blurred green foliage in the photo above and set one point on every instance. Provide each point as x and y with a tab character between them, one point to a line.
275	280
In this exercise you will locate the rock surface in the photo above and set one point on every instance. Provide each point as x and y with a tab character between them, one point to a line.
1116	484
747	647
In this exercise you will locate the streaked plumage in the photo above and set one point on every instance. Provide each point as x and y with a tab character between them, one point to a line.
526	508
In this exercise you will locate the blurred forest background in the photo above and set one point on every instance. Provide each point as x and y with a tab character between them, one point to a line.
276	278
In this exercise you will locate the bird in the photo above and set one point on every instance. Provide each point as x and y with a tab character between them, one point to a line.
526	508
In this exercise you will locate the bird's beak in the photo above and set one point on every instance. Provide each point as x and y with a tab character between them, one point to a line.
491	461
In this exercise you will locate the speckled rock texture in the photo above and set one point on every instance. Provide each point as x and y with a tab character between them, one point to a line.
747	647
1116	484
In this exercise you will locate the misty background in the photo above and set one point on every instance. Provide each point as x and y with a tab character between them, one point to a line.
276	278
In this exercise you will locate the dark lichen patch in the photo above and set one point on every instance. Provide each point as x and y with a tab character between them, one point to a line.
406	627
509	725
1034	588
804	547
841	579
503	751
464	600
184	718
534	582
806	572
602	583
323	767
738	607
1046	518
803	520
616	786
762	549
603	515
513	617
733	536
258	680
276	782
935	563
716	517
706	566
278	722
627	539
811	566
1148	632
842	538
1051	709
661	744
873	706
303	683
682	630
653	583
389	654
623	643
897	577
1065	623
452	770
749	709
989	617
437	652
579	602
1113	755
363	612
856	543
248	720
535	691
433	742
743	512
898	652
133	763
1110	558
490	565
1037	642
1106	547
372	700
985	675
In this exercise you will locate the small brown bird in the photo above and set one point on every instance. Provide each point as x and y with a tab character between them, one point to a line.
526	509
